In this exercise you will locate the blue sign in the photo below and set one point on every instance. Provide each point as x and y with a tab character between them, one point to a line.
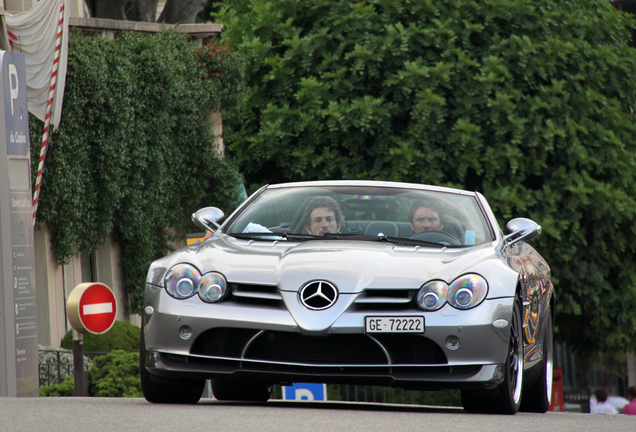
305	392
15	103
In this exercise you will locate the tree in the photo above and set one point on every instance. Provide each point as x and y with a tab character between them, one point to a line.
530	103
174	11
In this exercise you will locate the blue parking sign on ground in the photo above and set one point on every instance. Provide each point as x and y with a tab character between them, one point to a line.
305	392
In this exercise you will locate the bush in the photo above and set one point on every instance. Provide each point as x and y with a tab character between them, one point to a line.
122	336
115	374
66	388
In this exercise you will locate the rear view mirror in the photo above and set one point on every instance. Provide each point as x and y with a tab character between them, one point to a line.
367	205
208	218
521	229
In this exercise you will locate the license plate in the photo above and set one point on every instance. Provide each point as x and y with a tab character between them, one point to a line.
394	324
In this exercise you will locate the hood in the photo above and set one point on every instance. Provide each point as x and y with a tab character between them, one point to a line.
351	265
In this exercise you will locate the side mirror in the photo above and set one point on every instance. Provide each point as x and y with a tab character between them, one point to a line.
521	229
208	218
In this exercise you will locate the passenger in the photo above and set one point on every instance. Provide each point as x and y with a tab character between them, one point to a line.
602	407
426	215
630	408
322	215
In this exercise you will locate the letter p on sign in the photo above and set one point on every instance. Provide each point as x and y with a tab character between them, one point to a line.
13	84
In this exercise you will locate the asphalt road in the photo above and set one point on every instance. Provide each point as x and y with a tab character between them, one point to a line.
58	414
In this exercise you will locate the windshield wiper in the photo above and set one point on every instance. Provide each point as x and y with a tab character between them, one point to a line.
338	236
383	238
275	236
264	235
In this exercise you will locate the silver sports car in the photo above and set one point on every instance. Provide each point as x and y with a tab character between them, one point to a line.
358	282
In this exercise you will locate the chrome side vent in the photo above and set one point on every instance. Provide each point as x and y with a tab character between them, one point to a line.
260	292
387	296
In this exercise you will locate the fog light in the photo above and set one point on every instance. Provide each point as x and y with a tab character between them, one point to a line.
149	310
185	332
452	342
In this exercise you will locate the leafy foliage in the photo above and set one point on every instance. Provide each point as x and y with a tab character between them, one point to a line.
530	103
66	388
115	374
122	336
133	156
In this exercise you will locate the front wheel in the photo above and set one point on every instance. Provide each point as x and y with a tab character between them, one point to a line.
507	397
176	391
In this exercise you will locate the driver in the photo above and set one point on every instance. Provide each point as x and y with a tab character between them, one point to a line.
322	215
426	215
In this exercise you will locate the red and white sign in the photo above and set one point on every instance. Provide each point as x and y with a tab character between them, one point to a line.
91	308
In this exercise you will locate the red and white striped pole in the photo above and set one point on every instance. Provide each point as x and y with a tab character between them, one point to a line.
47	120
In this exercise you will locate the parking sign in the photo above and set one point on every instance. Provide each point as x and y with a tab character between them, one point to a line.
305	392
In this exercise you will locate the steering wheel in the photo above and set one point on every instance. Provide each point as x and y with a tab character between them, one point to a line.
434	236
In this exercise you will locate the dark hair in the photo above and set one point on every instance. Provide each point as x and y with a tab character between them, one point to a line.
632	391
434	205
601	395
320	202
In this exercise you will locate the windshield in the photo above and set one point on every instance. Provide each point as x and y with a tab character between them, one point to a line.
363	213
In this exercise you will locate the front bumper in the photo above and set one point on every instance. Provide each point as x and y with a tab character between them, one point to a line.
263	343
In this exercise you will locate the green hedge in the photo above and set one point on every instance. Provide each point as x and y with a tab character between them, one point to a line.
134	156
66	388
115	374
122	336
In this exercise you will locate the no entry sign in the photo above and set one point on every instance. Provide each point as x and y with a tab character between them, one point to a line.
91	308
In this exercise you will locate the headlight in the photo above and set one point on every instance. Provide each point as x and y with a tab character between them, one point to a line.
467	291
212	287
182	281
432	295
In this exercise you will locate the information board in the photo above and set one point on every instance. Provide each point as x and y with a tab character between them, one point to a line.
18	333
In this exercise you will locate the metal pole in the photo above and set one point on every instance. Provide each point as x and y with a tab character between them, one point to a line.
81	387
59	368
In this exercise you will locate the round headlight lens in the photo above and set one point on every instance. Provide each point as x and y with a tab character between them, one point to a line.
182	280
467	291
432	295
212	288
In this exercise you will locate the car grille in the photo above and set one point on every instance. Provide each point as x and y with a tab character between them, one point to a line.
386	299
349	349
256	294
370	299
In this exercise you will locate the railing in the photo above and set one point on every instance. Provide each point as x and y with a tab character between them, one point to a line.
55	365
357	393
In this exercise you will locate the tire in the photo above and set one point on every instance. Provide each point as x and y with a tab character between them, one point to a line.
538	397
228	390
506	399
173	391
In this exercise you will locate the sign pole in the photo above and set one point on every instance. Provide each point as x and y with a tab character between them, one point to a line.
81	385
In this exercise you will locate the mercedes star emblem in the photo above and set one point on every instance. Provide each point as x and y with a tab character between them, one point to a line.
318	295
